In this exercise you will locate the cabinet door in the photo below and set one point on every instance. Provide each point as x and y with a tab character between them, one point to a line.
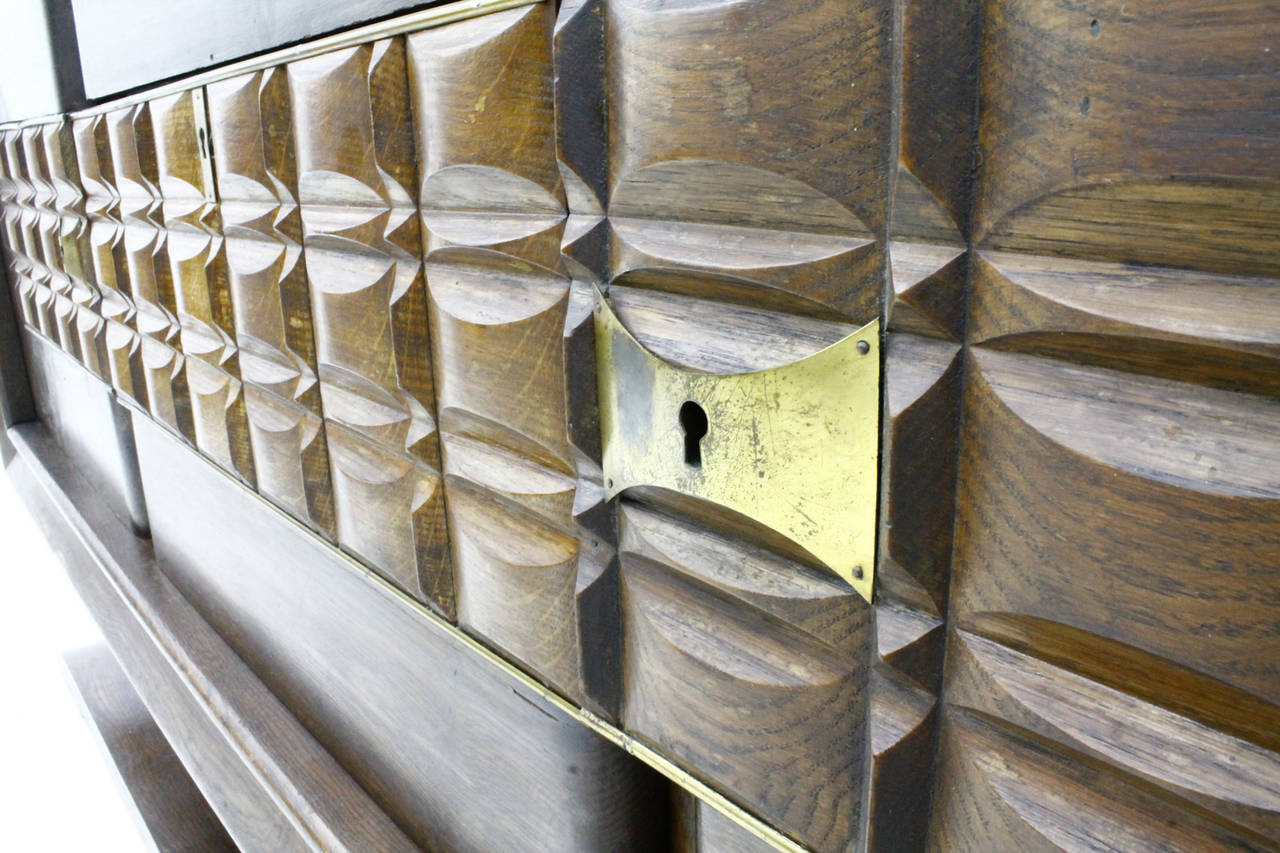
1066	220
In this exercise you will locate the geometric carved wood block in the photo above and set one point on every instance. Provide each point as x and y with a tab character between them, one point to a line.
73	249
736	223
1111	671
748	667
357	186
507	324
109	269
135	183
198	269
250	125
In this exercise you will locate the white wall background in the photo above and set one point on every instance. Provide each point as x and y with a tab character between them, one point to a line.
56	791
27	85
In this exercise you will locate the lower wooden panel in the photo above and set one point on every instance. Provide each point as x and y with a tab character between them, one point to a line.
463	756
78	410
173	814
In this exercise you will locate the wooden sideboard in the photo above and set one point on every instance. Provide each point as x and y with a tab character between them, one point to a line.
353	382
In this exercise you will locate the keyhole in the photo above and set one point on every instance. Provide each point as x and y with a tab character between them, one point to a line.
693	420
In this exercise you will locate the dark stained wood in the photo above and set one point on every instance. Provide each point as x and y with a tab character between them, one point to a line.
106	270
744	662
250	131
514	355
1215	329
196	253
734	209
1181	576
1131	132
142	240
357	189
1111	669
698	827
170	810
1011	792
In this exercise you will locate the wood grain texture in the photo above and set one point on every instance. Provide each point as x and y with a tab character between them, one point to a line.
929	249
512	346
1111	677
746	666
357	187
695	826
1066	220
1141	132
110	270
32	229
74	251
17	403
251	132
130	136
723	166
1173	458
201	290
170	810
270	783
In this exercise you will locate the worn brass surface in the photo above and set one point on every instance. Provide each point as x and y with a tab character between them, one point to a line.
793	447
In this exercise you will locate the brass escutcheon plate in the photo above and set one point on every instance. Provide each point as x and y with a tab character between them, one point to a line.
794	448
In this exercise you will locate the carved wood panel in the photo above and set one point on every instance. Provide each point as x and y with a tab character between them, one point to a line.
1112	666
362	283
